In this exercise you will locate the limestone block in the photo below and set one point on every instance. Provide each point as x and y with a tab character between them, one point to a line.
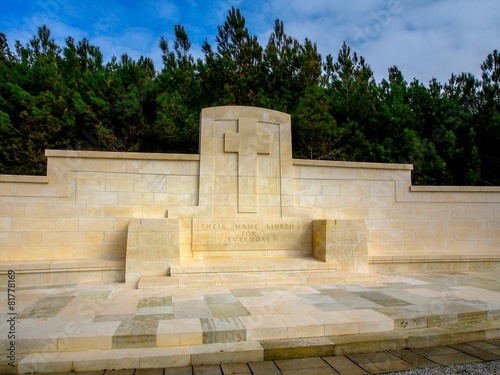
67	224
33	224
64	238
154	268
156	211
12	210
234	352
41	190
12	239
343	241
43	362
94	210
138	166
382	189
224	211
119	182
99	197
33	238
179	332
96	224
124	211
7	189
133	198
96	360
171	357
5	224
36	210
181	164
115	238
105	165
182	184
57	164
90	181
150	183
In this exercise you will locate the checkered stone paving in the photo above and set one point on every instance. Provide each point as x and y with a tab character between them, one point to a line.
186	326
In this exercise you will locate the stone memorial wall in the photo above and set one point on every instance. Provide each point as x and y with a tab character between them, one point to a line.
251	237
103	216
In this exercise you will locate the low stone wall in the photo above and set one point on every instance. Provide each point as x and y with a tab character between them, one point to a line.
72	225
82	221
341	241
408	227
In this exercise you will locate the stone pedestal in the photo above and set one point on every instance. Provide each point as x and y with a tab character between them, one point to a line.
152	245
343	241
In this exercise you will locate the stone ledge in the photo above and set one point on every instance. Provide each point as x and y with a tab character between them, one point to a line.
351	164
25	179
120	155
383	264
61	265
433	258
456	189
43	273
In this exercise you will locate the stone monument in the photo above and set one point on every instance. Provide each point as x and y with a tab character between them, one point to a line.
243	204
246	200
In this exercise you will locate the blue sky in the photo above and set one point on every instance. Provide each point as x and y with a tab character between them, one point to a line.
424	38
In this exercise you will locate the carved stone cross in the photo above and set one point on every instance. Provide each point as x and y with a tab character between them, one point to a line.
247	143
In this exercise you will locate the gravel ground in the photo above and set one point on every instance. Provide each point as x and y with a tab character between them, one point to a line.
483	368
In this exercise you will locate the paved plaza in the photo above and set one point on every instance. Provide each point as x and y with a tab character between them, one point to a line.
288	325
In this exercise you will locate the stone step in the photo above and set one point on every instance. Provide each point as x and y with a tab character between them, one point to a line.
55	326
231	323
253	279
140	358
212	265
148	332
254	350
381	341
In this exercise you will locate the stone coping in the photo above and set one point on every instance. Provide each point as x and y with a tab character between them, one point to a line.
120	155
24	178
61	265
426	258
351	164
455	189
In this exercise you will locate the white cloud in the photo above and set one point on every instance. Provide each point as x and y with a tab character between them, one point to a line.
133	41
435	40
425	38
164	9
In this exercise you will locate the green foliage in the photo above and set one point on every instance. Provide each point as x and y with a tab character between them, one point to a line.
315	131
69	98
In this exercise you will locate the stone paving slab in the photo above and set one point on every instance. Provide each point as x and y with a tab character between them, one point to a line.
281	320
